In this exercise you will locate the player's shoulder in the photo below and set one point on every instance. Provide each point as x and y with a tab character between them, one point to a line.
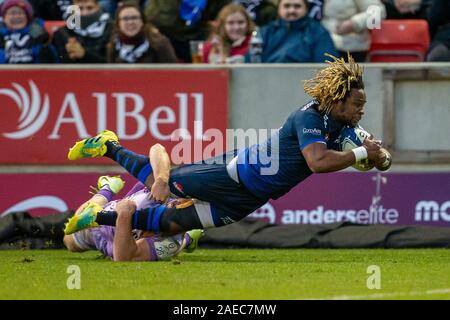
310	107
305	118
308	111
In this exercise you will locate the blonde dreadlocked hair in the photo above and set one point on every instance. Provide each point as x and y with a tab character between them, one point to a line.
334	82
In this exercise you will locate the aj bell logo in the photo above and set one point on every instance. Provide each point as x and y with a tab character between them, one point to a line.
33	110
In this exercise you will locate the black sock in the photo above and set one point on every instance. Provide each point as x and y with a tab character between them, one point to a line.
112	147
145	219
148	219
137	165
106	218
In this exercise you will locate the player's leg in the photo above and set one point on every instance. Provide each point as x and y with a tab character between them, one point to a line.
69	240
189	215
160	219
107	187
184	181
107	144
221	200
224	202
167	219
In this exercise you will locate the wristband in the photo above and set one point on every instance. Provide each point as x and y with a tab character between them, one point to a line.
360	153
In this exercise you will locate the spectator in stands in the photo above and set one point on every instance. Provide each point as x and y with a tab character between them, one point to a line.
229	42
86	44
406	9
260	11
183	20
295	37
23	39
439	21
136	41
51	9
346	21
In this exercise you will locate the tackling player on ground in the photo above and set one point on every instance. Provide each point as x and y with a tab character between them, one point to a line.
121	243
229	191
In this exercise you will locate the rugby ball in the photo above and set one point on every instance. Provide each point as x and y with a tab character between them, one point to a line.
351	138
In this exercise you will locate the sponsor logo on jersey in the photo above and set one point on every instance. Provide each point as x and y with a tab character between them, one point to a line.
312	131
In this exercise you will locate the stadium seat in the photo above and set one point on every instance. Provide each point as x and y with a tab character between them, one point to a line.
400	41
52	26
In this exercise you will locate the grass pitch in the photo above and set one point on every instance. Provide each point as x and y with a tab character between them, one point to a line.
230	274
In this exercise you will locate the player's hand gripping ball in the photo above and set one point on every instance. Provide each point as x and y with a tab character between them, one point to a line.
386	162
351	138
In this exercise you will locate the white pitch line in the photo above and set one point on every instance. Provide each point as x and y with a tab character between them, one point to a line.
385	295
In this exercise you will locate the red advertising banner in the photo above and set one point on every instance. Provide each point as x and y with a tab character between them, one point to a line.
365	198
43	112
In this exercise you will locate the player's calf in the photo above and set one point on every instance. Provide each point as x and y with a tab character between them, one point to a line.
106	144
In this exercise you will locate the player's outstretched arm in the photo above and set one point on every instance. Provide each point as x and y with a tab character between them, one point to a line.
321	160
160	162
125	248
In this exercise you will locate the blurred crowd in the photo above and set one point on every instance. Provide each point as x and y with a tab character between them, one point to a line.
206	31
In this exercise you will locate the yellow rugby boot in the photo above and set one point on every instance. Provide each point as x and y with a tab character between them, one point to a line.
84	220
92	147
115	184
195	235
